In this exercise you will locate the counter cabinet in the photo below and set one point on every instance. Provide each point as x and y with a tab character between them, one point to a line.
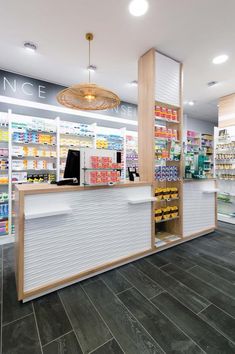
65	234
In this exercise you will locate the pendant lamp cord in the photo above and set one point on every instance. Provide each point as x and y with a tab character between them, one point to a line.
89	60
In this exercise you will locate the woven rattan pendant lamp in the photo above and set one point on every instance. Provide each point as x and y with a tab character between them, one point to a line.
88	96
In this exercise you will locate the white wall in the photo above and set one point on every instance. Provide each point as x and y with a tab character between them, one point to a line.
198	125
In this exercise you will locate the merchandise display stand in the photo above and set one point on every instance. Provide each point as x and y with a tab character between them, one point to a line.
160	143
198	155
225	172
160	118
34	150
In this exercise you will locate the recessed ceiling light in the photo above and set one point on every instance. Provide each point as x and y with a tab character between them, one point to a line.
212	83
133	83
30	47
138	7
191	103
92	68
220	59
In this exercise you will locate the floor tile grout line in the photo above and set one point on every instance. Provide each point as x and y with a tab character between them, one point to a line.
120	292
204	309
18	319
152	297
1	346
135	317
214	286
164	265
163	313
201	255
65	334
35	319
213	263
100	346
198	265
217	329
161	288
133	286
84	289
176	323
200	280
185	287
211	303
61	300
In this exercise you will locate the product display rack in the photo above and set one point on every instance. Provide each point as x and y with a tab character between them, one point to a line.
113	139
167	177
198	155
160	143
5	192
72	135
225	172
34	150
131	151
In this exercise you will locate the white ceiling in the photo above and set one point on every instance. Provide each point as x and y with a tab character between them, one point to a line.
192	31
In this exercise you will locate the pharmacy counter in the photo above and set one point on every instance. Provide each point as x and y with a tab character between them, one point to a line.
199	206
67	233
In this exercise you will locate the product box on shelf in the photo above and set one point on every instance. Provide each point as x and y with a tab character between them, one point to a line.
166	113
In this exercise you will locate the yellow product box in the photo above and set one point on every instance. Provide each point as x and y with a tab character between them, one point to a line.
174	211
174	192
158	214
166	193
159	193
166	213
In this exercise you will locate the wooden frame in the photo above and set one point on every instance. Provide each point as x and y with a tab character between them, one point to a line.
146	128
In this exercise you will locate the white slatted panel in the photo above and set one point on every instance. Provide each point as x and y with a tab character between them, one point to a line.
102	228
167	81
198	207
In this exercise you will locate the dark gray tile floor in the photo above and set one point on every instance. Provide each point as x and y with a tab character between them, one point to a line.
181	300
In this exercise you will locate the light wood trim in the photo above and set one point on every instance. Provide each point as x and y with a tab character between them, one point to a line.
146	108
227	111
81	275
51	188
20	247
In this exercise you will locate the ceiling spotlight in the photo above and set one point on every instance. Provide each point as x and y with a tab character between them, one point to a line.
92	68
134	83
212	83
138	7
220	59
30	47
191	103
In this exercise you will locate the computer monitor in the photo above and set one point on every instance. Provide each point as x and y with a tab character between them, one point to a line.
72	168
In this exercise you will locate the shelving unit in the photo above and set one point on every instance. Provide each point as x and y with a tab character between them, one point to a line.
113	139
225	172
198	155
34	150
131	151
160	142
74	136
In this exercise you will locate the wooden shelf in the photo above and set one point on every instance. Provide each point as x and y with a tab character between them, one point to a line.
151	93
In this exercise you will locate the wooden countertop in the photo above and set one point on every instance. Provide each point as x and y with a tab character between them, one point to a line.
27	188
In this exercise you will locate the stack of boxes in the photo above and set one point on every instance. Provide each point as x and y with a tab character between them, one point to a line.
105	170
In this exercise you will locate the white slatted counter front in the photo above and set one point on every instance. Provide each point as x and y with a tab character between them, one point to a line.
199	207
71	232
